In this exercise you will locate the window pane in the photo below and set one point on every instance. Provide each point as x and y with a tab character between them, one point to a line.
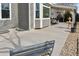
37	10
45	12
5	10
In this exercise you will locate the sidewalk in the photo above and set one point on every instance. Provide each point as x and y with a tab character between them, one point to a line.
58	32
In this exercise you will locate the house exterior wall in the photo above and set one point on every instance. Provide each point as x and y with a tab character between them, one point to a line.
14	15
55	10
45	22
37	23
23	16
9	23
42	22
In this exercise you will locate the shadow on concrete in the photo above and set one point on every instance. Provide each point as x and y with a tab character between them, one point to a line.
67	30
61	27
19	39
12	42
5	49
15	45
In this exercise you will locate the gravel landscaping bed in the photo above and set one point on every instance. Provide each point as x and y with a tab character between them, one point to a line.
70	46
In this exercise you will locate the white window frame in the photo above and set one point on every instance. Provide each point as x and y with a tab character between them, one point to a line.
1	13
49	11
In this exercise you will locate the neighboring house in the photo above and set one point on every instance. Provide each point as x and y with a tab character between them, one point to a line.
63	7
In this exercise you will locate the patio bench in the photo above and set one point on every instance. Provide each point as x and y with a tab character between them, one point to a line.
41	49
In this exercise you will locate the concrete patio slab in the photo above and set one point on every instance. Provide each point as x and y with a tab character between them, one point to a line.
58	32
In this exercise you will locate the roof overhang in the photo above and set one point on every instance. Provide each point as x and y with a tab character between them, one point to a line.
63	7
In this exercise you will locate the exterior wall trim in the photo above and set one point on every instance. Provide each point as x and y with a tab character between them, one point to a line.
34	14
66	7
41	14
29	17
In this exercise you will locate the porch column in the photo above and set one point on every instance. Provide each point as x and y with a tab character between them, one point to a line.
41	15
73	18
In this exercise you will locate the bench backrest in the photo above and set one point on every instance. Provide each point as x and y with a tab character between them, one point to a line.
34	50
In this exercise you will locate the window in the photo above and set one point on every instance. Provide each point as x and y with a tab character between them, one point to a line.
5	10
37	10
45	12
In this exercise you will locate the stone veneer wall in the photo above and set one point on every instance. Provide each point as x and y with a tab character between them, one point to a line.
37	23
45	22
